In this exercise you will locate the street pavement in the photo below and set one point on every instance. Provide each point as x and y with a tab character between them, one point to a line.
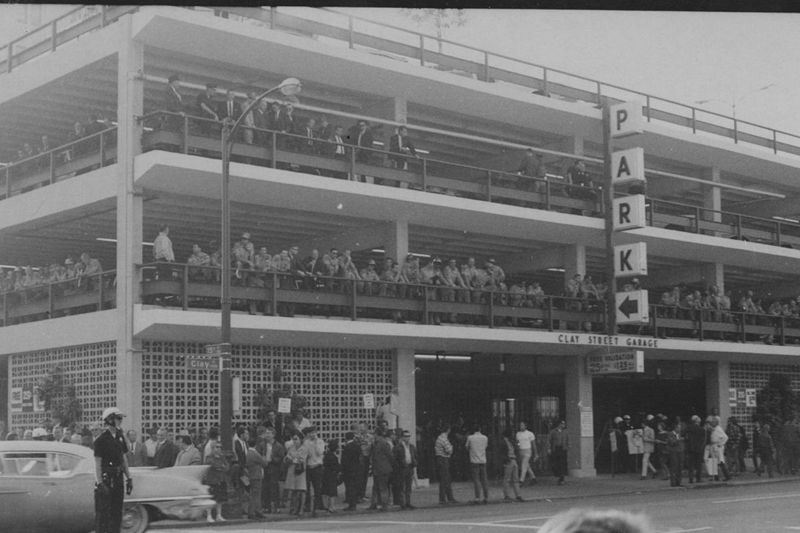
745	504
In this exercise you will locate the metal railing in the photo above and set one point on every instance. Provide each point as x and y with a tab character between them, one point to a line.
403	44
725	224
82	294
195	135
716	324
76	157
274	293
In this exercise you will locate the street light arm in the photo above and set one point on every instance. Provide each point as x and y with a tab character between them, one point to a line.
287	86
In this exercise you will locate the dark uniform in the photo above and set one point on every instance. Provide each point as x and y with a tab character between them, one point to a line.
111	449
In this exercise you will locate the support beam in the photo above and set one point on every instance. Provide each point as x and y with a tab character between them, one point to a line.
704	274
395	241
361	238
130	104
579	413
718	379
405	384
537	260
574	261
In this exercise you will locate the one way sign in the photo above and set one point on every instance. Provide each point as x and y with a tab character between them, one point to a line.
632	307
630	259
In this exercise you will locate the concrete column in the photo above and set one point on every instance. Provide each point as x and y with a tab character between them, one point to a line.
714	273
718	379
395	241
130	103
712	196
574	261
571	145
390	109
579	414
404	383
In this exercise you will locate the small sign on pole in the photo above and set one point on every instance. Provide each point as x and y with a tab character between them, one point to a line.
202	361
369	401
284	405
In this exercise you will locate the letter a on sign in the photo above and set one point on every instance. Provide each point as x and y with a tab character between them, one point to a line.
626	119
627	165
629	212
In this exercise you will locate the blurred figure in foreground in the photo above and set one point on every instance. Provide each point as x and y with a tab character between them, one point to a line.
597	521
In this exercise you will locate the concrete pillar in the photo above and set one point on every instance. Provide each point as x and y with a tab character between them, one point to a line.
579	418
712	196
574	261
404	382
714	274
718	379
395	242
390	109
571	145
130	104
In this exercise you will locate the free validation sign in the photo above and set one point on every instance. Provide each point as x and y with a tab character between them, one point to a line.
631	361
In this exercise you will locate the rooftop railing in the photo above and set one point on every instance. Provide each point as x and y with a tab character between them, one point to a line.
406	45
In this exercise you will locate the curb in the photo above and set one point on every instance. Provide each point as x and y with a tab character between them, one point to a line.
283	517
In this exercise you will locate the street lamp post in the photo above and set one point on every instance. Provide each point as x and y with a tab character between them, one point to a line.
287	87
735	101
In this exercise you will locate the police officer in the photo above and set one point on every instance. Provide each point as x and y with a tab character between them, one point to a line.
110	465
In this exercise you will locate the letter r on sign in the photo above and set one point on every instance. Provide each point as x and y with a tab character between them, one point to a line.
624	213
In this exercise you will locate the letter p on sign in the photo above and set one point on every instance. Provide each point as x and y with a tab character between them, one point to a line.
626	119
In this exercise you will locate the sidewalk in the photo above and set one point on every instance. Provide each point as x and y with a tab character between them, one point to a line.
546	489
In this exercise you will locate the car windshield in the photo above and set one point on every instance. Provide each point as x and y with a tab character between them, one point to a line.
37	464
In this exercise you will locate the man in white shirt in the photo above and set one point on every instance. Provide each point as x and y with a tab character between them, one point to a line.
162	252
527	450
476	447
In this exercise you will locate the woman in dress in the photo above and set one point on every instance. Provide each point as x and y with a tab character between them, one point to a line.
216	478
330	475
296	455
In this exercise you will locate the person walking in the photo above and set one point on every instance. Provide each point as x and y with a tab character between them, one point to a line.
443	450
296	455
476	447
649	441
405	458
382	466
332	472
508	452
216	477
558	441
526	441
766	450
675	448
110	466
351	470
695	445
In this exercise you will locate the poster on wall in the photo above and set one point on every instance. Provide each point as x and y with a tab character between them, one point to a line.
27	398
16	399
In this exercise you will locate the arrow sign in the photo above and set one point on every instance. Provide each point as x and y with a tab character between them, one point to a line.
629	307
632	307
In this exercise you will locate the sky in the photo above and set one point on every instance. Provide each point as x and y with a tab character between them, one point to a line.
676	55
687	57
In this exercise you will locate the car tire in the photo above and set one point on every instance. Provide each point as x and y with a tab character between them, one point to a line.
135	519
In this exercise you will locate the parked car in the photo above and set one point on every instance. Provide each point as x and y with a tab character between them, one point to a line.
49	487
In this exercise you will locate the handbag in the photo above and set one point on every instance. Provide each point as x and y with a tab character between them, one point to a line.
299	468
245	480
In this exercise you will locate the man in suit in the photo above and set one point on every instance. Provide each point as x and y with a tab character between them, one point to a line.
188	454
273	453
382	467
400	144
206	108
405	458
351	470
166	450
137	452
361	137
173	102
